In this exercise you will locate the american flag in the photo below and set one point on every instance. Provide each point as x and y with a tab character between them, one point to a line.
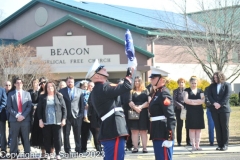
129	50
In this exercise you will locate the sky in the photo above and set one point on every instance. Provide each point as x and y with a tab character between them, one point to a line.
8	7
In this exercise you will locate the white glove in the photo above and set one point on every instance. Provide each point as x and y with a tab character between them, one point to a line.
167	144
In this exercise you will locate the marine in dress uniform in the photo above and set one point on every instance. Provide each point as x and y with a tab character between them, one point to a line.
162	117
113	129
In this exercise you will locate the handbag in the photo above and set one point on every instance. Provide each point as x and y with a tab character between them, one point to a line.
133	115
183	114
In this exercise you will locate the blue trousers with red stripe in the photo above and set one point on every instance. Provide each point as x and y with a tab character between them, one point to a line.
114	149
162	153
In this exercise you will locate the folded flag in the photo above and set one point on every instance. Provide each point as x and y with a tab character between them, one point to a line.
129	50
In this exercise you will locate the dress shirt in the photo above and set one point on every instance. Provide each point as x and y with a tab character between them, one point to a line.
72	94
19	113
218	87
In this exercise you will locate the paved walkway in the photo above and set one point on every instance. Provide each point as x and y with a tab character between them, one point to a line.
182	150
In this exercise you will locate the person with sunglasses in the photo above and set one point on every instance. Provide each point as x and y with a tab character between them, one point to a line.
113	130
37	132
162	116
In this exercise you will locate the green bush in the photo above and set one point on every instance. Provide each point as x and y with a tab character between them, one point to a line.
172	85
234	100
202	84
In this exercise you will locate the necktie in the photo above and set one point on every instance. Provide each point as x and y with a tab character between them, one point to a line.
71	94
19	103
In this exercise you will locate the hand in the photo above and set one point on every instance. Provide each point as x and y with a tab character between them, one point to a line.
86	107
34	107
217	105
129	71
20	118
167	143
182	106
41	125
137	109
192	102
63	122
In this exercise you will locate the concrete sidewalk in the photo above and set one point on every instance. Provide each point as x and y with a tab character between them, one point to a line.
187	150
178	150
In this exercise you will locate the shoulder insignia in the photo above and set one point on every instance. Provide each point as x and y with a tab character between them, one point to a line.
113	85
166	102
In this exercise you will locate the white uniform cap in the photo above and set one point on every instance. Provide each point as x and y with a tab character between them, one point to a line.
84	81
93	69
156	72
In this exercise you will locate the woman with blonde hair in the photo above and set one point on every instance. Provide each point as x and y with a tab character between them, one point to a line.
139	103
194	98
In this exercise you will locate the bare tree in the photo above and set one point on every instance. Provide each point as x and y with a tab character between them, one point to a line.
210	36
21	61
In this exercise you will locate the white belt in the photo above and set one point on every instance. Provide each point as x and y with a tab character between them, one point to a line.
111	112
157	118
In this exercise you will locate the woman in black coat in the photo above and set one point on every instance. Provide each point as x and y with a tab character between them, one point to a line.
218	94
52	116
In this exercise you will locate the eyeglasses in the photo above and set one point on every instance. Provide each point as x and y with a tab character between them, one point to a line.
43	82
7	85
99	68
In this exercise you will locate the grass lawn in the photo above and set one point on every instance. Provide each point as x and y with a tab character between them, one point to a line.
234	129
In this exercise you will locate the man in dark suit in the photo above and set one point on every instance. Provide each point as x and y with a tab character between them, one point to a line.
73	98
19	106
8	87
3	118
218	94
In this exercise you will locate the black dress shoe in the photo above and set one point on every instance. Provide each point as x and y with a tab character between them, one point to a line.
134	150
218	148
128	149
224	148
144	151
211	144
4	155
82	151
179	144
189	144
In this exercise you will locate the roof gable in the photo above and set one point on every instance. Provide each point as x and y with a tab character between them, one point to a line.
80	22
